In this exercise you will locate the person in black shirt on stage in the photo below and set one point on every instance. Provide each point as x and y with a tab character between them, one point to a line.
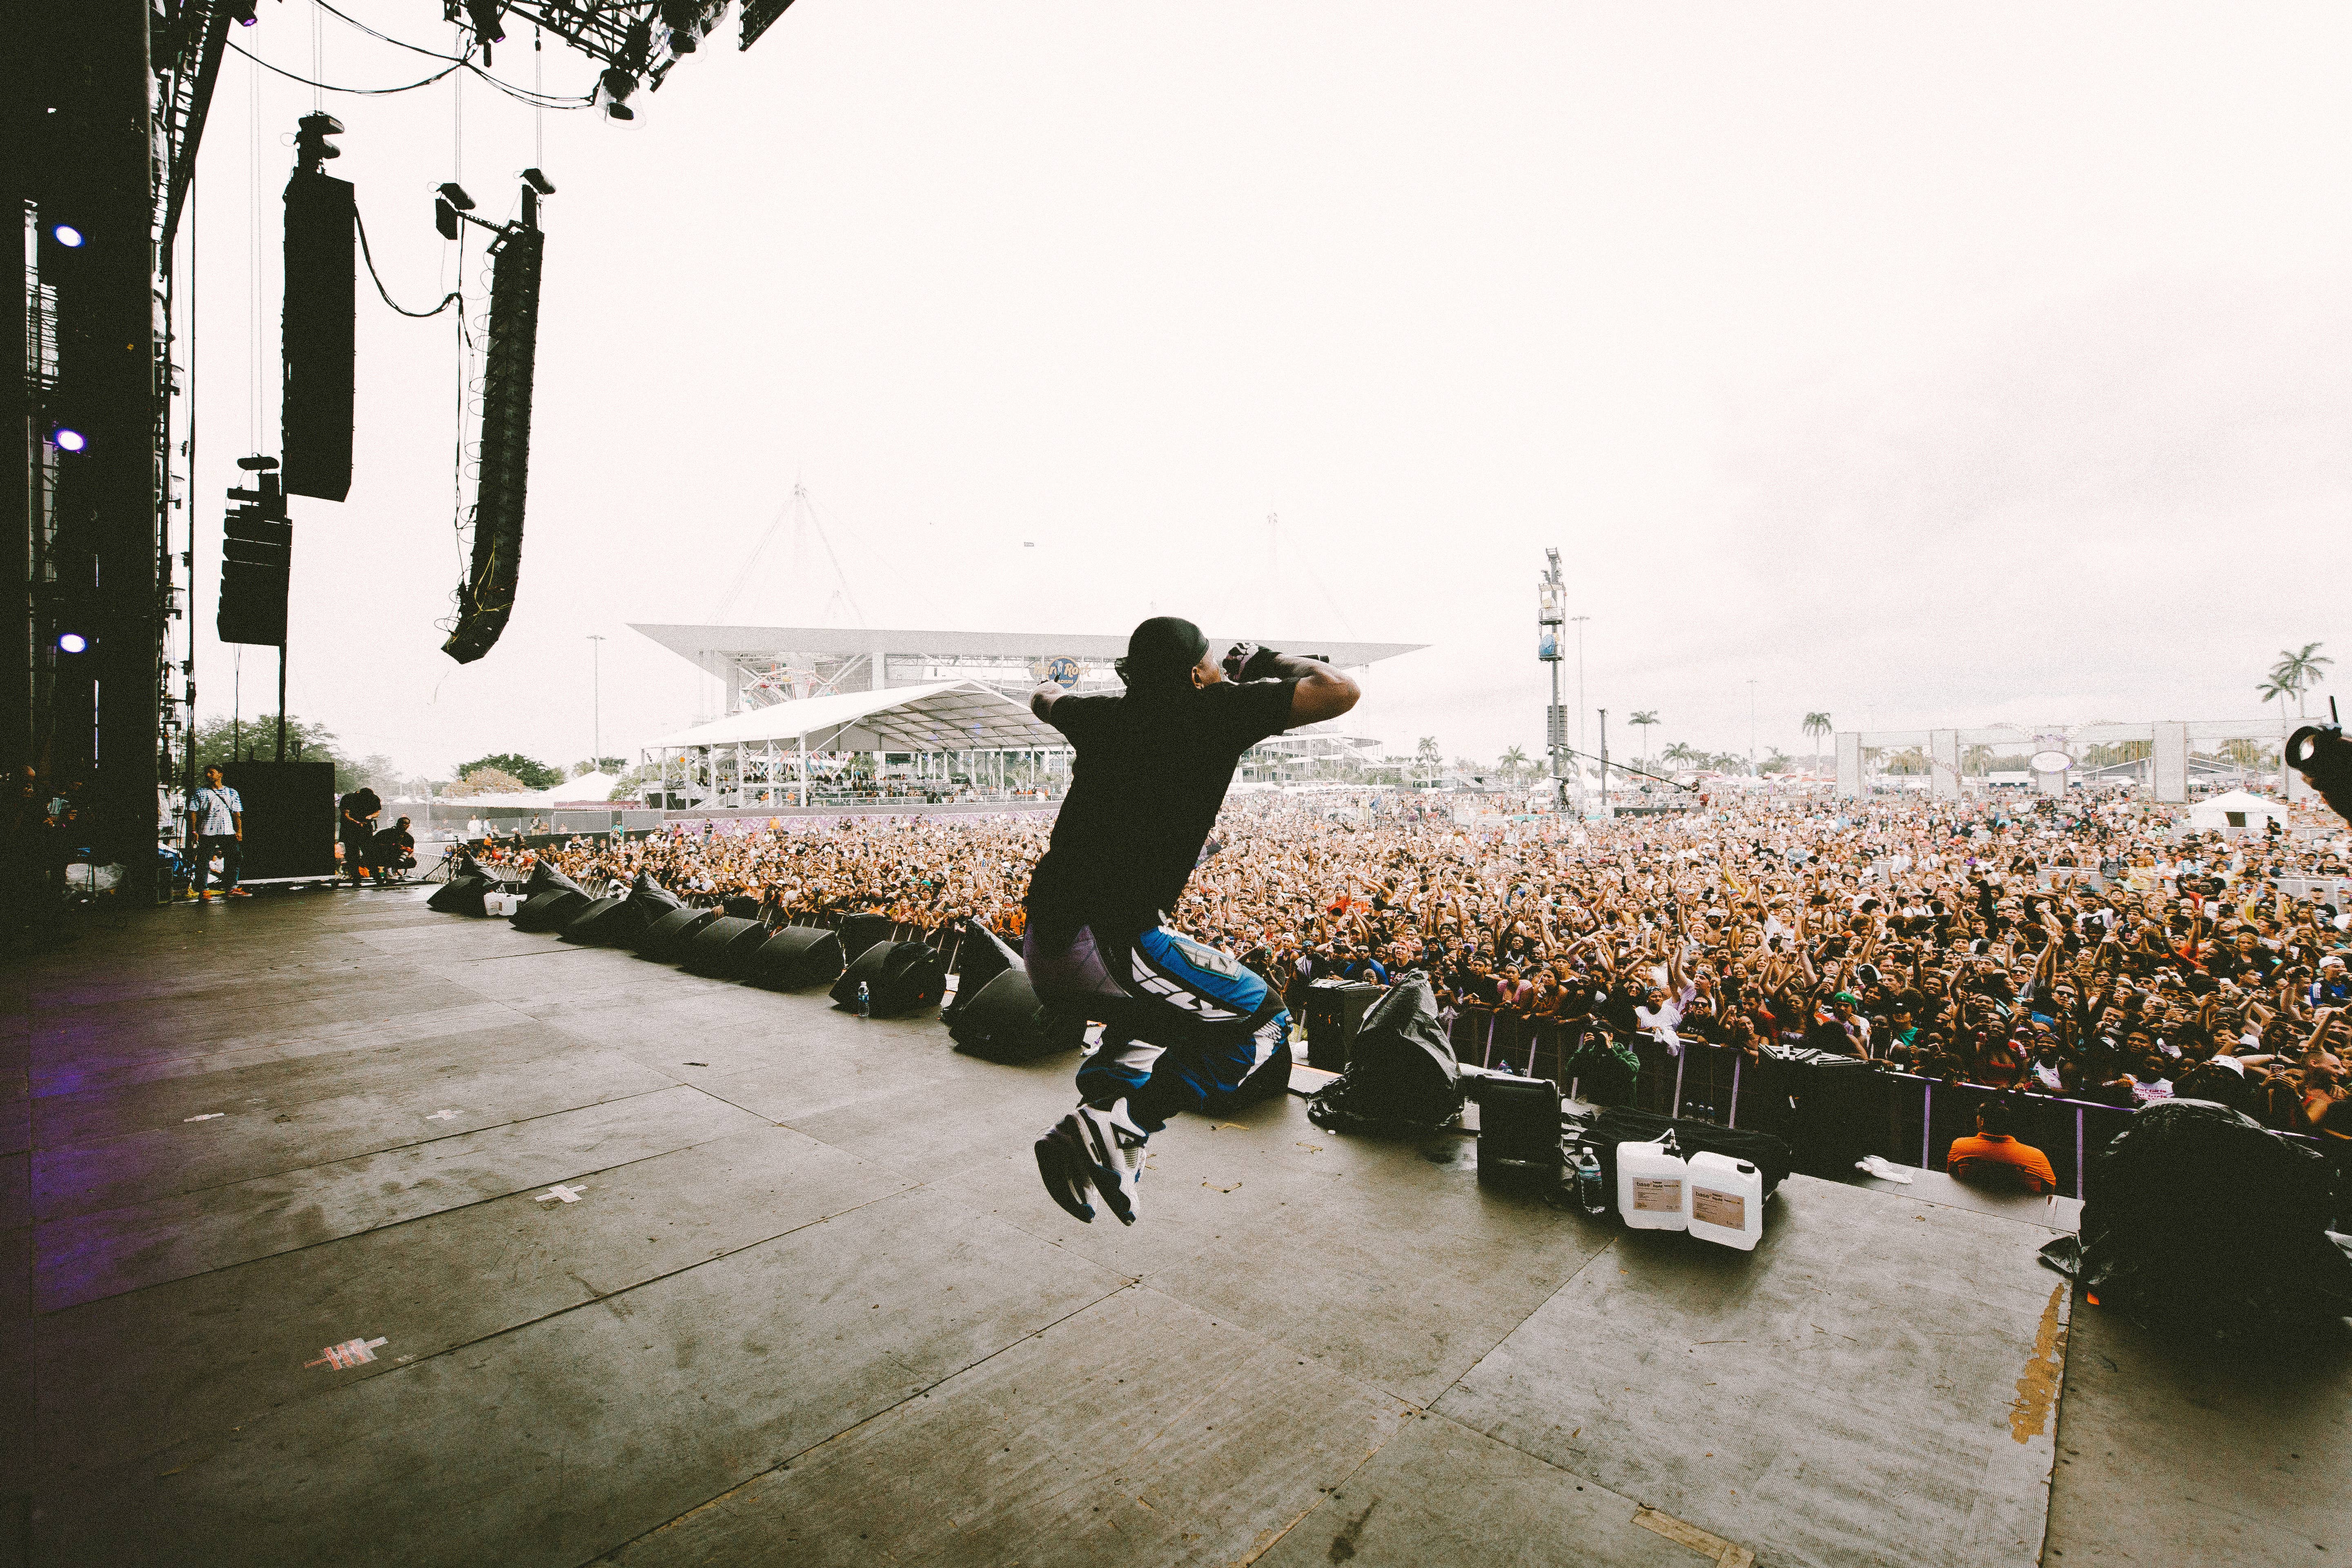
1181	1020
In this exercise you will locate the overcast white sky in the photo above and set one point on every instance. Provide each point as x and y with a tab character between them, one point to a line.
1944	365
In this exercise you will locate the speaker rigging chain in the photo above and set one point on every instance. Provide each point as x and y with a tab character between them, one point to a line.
451	297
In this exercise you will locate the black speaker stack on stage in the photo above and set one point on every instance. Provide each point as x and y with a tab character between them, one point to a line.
796	958
723	948
1334	1008
549	899
899	977
1519	1127
289	818
664	942
859	933
619	922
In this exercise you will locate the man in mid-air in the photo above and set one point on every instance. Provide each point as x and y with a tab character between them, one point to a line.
1181	1020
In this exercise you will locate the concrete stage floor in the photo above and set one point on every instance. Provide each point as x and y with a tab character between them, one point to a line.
808	1305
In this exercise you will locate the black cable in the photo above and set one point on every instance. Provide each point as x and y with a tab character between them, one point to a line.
452	298
325	87
528	95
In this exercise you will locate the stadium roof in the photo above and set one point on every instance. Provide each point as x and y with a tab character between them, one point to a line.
943	716
704	644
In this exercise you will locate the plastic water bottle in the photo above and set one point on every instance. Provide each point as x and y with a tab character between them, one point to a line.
865	1000
1591	1192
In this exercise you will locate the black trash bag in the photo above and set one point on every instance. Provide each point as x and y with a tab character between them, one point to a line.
1401	1076
1603	1130
2203	1223
546	878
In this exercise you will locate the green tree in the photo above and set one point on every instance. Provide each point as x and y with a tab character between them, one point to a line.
1512	763
480	781
613	765
534	775
1428	758
255	739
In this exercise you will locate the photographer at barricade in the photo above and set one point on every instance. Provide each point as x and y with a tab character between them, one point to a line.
394	851
217	824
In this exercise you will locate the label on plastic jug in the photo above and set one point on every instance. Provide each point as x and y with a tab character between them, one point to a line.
1658	1195
1728	1210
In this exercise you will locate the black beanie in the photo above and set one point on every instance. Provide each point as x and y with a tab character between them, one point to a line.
1160	652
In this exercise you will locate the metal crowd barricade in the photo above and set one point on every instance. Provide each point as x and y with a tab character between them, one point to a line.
1721	1084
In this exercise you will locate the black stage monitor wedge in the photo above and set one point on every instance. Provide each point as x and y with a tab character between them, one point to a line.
795	958
289	818
723	947
1002	1022
743	906
551	909
460	895
664	942
859	933
900	977
980	955
598	925
1518	1127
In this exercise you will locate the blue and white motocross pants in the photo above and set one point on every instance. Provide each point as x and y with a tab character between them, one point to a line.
1181	1021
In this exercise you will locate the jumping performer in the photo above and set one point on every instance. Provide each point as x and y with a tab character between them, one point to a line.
1181	1020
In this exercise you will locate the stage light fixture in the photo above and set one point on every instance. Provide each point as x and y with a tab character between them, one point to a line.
539	182
614	87
455	195
72	642
65	439
488	25
64	234
241	13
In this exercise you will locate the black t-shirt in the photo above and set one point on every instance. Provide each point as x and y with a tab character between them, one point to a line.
1144	793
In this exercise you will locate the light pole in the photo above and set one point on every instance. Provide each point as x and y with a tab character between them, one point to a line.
1751	729
1549	601
596	701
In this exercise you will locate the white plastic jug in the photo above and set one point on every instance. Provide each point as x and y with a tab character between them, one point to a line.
1724	1201
1650	1186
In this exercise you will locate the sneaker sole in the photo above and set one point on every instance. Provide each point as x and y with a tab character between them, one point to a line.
1063	1168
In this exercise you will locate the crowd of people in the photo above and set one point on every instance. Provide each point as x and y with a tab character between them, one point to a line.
2088	947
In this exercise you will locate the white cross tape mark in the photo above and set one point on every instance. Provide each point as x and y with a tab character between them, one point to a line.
207	1116
442	1116
569	1194
349	1353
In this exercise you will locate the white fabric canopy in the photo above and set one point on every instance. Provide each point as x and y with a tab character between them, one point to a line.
2253	811
945	716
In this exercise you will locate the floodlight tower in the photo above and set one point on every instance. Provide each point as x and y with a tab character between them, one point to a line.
1550	616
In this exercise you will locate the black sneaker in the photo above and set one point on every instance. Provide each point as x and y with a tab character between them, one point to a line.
1063	1164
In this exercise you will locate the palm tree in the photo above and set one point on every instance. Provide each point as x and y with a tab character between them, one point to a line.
2296	672
1817	725
1681	752
1429	758
1512	762
1641	719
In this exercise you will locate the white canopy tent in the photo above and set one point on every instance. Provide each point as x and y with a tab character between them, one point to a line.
762	753
2235	812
